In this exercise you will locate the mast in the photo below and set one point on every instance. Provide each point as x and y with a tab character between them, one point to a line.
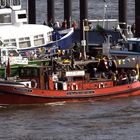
83	23
104	13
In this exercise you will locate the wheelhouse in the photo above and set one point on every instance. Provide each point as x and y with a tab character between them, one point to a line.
14	28
14	4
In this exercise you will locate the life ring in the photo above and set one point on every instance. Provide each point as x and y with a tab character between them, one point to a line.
33	83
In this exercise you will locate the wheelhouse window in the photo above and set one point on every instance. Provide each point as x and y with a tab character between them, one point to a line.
3	3
5	18
7	2
13	53
16	2
21	16
29	72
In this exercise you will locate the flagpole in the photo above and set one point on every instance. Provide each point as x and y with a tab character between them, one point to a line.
83	42
105	10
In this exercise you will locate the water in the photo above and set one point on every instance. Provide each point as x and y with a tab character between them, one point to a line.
95	9
104	120
117	119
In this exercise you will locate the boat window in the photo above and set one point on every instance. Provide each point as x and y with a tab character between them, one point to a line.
35	72
24	39
13	53
38	36
27	38
12	40
4	53
2	3
21	39
28	72
49	33
5	3
49	36
8	3
5	18
9	42
6	40
21	16
24	44
39	40
16	2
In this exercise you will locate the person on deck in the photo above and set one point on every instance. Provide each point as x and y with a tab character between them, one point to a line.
114	78
123	78
134	76
103	76
74	24
64	24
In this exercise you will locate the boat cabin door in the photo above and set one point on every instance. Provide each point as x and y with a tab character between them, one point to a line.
3	55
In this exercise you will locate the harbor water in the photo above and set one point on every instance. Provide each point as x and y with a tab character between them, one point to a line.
95	10
117	119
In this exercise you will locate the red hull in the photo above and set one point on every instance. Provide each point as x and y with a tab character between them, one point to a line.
14	94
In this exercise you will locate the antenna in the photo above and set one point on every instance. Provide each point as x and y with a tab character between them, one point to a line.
104	12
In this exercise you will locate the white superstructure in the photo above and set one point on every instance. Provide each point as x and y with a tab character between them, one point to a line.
14	30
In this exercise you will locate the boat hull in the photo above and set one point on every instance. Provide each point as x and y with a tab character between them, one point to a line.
16	95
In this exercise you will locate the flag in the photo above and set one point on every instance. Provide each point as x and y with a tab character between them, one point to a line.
137	68
8	70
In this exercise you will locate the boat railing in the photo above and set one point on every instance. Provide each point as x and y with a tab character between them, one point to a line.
105	23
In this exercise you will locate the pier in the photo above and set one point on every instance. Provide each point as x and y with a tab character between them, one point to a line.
50	11
137	18
83	4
